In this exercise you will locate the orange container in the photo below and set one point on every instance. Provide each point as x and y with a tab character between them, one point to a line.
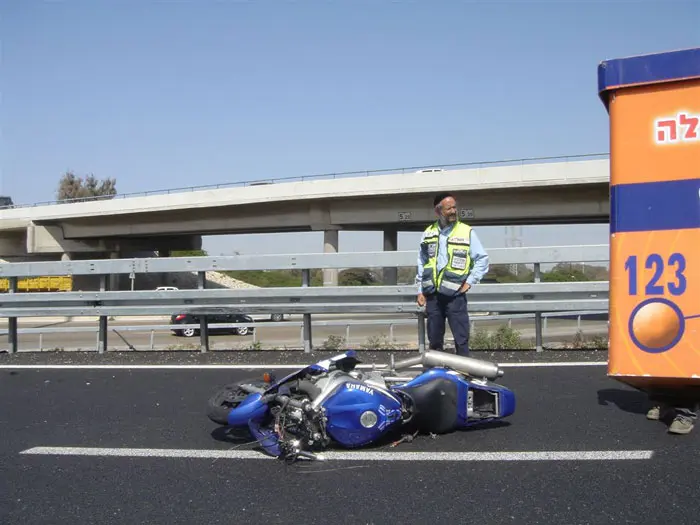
654	106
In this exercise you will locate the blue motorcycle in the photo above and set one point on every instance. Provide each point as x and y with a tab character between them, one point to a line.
333	401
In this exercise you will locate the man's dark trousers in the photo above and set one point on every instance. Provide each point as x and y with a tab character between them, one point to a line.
437	308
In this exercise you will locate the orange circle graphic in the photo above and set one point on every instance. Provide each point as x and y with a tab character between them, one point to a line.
656	325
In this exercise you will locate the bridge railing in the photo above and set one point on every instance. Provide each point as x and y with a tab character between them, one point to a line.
321	176
536	297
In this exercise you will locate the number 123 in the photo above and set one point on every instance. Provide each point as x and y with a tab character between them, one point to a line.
656	262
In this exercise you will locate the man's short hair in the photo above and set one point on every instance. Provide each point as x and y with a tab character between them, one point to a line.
440	197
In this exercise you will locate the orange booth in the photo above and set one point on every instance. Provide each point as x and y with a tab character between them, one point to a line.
653	103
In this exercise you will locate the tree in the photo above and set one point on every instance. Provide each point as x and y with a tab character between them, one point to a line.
72	188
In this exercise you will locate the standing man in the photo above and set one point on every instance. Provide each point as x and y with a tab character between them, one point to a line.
451	260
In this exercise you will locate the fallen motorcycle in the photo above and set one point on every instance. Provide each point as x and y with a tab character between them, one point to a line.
335	401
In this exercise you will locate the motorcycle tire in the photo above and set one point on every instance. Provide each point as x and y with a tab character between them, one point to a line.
227	398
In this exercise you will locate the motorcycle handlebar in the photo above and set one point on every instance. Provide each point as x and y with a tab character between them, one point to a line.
302	404
285	399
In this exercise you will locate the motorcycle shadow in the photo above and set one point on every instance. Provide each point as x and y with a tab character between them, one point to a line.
413	434
235	436
240	436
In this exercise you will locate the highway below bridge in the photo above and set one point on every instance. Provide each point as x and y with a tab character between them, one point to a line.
578	450
378	332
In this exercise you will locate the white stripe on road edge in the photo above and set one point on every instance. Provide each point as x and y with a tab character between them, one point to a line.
561	363
553	455
269	366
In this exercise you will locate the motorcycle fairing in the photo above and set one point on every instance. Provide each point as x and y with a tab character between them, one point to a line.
438	403
346	361
359	413
266	437
251	408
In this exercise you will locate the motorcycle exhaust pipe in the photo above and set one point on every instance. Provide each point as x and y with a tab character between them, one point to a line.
408	363
466	365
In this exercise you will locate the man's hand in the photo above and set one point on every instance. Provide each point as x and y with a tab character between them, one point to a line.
421	300
465	287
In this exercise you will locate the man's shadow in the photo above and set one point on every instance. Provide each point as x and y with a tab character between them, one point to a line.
632	401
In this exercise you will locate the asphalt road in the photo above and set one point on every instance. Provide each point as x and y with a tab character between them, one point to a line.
559	409
557	330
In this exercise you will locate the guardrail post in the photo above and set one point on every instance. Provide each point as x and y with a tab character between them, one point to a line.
538	315
102	334
12	321
306	281
203	323
421	332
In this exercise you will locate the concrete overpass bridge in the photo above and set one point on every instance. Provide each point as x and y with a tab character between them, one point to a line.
573	191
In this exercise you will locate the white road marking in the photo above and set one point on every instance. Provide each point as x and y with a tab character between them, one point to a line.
267	366
550	455
549	364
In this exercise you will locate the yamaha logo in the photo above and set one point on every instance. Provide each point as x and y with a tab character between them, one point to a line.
362	388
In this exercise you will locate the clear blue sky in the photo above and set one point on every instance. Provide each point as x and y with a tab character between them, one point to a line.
172	94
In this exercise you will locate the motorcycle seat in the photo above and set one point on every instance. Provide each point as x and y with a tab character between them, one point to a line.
434	404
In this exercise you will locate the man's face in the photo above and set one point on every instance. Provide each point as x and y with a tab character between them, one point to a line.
447	210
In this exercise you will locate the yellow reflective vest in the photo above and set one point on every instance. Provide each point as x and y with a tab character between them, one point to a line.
449	280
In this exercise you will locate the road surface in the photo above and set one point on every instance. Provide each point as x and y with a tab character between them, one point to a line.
288	335
620	468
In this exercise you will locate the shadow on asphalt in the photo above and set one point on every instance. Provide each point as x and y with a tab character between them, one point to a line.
626	400
233	436
241	436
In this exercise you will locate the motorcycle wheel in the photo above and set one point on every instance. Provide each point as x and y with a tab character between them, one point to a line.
227	398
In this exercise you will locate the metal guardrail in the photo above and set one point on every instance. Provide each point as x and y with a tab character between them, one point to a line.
303	178
41	331
277	324
341	299
304	261
534	297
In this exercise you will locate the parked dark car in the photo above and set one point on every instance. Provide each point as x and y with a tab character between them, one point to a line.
212	319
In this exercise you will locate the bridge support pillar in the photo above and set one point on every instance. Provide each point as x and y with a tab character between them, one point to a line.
66	257
330	245
113	279
164	276
391	241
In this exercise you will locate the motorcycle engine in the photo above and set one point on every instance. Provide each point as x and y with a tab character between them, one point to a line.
300	426
303	425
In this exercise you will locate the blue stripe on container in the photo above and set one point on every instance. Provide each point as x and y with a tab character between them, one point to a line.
647	69
655	206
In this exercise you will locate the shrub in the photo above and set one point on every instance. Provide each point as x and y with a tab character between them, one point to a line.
505	338
580	342
334	342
